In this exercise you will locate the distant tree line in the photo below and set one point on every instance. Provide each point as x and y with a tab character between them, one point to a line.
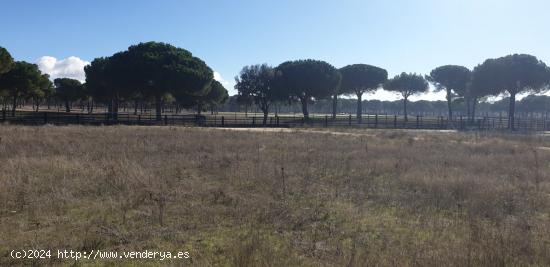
309	81
159	75
145	74
530	106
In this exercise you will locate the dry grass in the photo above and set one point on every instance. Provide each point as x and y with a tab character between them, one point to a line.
238	198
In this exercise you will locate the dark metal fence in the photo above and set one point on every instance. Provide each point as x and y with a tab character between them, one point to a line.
230	120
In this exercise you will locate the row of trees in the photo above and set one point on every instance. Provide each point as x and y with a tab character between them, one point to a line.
533	106
309	80
145	73
156	73
22	79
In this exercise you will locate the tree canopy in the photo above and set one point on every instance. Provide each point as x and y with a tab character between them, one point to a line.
152	68
217	95
360	78
512	74
307	80
257	83
23	79
6	61
407	84
68	90
100	84
452	79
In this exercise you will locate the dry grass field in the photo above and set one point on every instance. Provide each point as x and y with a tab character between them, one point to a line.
292	198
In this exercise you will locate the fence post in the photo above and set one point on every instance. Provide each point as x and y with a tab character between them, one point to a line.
326	120
223	121
395	121
376	120
277	120
253	120
77	118
349	120
139	119
45	117
165	119
417	121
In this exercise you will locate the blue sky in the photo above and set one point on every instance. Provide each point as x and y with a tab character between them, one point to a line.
411	36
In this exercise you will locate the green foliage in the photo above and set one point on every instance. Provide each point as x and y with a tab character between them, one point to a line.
149	69
6	61
99	83
360	78
22	79
45	85
451	78
512	74
307	80
68	89
256	82
217	95
161	68
44	88
407	84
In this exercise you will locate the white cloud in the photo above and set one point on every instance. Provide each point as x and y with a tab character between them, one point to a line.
71	67
218	77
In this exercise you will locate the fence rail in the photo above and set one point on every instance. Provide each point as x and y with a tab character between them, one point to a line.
368	121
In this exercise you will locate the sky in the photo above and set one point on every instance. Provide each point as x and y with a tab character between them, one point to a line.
62	36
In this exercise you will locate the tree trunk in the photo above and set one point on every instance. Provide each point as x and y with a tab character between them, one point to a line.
67	107
334	105
449	104
266	112
115	109
469	109
405	108
199	108
474	105
14	105
511	111
359	107
158	107
304	107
